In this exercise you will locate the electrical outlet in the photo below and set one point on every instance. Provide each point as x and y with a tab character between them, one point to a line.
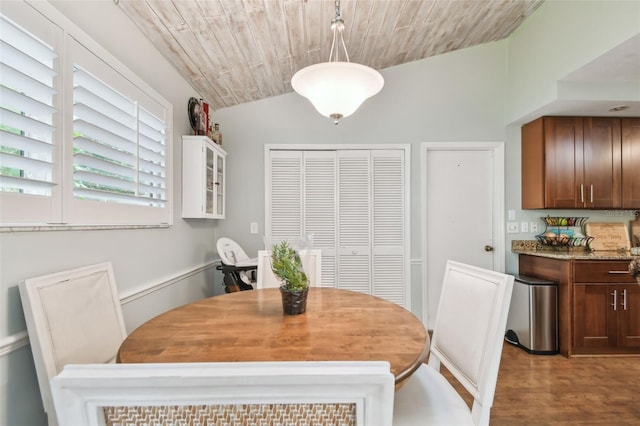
253	227
533	226
512	227
524	226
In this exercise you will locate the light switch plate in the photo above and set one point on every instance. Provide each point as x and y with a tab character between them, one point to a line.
253	227
512	215
524	226
512	227
533	227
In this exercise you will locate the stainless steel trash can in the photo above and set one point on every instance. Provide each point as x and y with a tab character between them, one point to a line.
533	316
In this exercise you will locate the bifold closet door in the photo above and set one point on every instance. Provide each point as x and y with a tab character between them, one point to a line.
355	203
301	200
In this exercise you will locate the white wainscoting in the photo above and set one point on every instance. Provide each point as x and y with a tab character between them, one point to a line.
17	340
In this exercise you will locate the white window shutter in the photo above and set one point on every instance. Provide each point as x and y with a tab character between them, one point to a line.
284	206
118	146
320	208
388	225
29	133
354	220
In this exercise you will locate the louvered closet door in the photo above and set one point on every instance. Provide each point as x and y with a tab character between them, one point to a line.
355	203
354	219
389	248
319	204
302	187
284	206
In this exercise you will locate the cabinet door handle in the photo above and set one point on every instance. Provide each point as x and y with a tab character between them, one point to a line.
581	193
615	300
591	194
624	299
619	272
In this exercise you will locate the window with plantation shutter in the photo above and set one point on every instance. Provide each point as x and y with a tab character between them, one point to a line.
118	147
85	142
28	106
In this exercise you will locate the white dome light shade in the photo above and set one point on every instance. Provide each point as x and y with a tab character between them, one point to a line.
337	89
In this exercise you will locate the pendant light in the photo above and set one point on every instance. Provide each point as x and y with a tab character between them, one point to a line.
338	87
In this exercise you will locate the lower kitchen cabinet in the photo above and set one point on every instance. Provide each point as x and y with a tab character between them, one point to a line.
606	318
629	319
599	304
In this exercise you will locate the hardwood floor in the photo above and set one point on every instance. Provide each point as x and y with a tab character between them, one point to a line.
554	390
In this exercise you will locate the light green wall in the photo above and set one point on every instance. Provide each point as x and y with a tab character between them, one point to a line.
558	38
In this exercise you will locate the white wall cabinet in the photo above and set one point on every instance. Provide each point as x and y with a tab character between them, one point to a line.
355	203
203	178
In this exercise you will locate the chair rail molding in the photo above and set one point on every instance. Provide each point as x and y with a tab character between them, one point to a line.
13	342
145	290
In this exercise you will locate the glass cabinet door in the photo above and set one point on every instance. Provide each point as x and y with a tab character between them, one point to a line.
211	183
203	169
219	185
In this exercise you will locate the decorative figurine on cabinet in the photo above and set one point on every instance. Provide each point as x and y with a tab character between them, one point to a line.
215	135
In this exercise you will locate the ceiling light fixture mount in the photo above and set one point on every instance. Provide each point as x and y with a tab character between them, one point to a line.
338	87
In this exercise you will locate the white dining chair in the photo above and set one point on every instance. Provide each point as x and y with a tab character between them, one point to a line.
336	393
467	340
311	265
73	317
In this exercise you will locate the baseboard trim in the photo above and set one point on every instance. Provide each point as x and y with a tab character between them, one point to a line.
18	340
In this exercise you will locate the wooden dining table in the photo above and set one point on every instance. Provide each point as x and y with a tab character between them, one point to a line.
338	325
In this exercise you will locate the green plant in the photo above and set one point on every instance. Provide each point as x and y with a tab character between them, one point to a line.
286	264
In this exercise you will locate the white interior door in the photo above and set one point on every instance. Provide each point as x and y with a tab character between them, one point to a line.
463	204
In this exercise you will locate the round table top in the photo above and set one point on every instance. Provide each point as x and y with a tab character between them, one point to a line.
338	325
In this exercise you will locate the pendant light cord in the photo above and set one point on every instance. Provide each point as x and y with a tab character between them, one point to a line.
337	26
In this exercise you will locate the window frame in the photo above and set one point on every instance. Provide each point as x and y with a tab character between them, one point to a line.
62	210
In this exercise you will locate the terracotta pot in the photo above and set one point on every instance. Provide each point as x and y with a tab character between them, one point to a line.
294	302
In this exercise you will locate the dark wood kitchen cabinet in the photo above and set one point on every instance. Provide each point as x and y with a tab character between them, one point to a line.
572	162
631	163
606	314
588	321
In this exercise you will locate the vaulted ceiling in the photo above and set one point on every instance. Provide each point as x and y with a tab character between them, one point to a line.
237	51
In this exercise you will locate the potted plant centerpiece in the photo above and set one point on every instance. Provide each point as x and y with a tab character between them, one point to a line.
287	266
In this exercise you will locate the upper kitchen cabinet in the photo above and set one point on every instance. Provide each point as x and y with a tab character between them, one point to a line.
572	162
631	163
203	178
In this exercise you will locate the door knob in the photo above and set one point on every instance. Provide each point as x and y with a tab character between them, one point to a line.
488	248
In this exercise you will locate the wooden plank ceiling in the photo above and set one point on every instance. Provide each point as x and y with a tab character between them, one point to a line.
237	51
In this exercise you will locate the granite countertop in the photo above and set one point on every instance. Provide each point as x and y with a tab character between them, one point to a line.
534	248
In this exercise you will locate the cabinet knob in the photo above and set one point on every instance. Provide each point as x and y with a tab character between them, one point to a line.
488	248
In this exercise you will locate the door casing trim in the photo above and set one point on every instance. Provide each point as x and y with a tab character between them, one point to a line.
498	204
